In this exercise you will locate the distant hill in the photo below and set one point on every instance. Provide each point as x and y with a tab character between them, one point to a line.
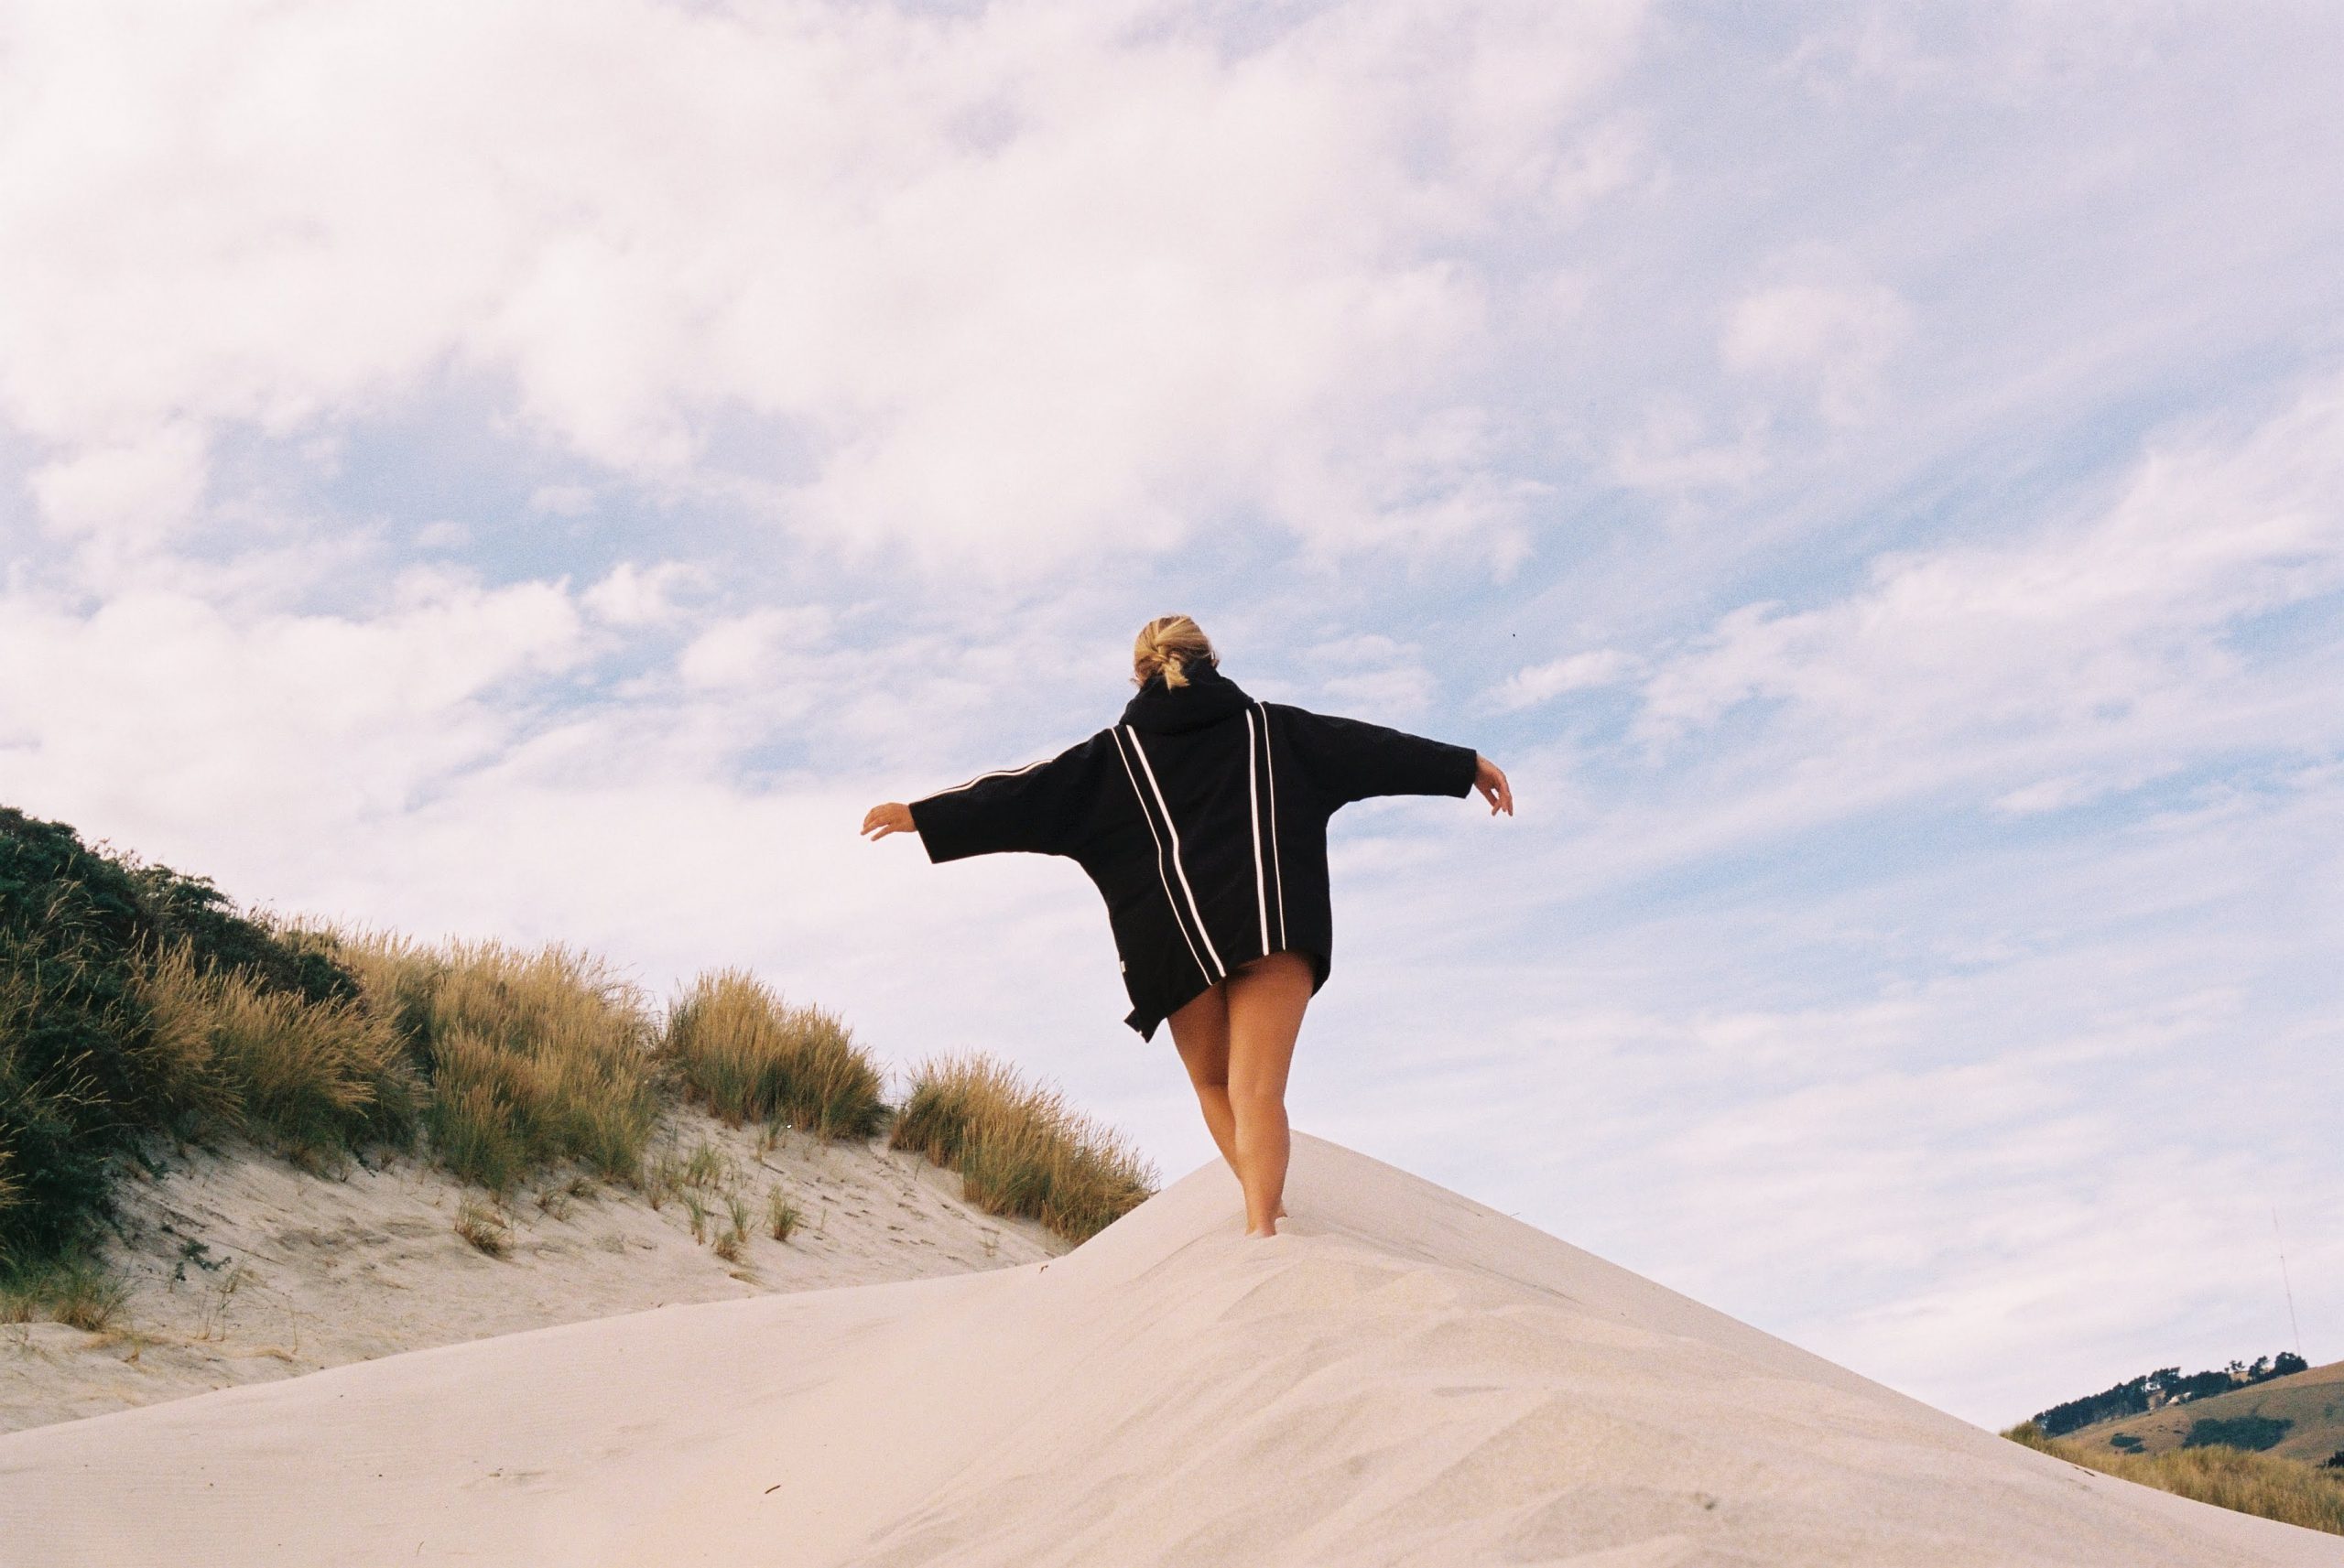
2310	1403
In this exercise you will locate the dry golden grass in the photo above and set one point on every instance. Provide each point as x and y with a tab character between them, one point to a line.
76	1291
750	1056
2286	1490
1019	1148
320	1078
485	1228
535	1056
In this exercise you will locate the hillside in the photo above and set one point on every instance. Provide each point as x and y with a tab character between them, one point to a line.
237	1268
2311	1400
1404	1376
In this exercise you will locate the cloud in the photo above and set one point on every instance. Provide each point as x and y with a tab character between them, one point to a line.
164	705
1534	684
640	596
2107	635
1008	288
143	489
1836	338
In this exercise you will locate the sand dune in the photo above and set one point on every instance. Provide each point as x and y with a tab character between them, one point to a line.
1406	1377
242	1269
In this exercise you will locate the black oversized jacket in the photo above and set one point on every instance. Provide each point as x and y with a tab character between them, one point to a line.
1202	818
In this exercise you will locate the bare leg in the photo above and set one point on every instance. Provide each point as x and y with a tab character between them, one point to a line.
1200	1031
1266	999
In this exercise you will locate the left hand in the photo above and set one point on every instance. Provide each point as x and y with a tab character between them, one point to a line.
1490	779
881	820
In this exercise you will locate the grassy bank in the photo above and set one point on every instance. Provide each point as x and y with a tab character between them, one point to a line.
2287	1490
1019	1148
141	1011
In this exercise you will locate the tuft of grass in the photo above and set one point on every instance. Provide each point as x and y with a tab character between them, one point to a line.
1019	1149
696	1210
708	1168
2287	1490
321	1078
732	1239
749	1056
781	1216
485	1228
535	1057
74	1291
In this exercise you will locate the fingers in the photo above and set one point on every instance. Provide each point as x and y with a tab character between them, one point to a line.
1499	791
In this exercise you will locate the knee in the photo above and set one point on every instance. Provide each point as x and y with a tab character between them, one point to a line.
1258	1099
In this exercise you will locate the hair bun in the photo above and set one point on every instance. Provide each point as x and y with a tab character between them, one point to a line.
1168	645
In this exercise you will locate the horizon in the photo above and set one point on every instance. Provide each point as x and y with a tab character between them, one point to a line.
1873	478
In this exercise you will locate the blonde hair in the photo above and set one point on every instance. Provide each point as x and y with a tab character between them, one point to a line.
1169	644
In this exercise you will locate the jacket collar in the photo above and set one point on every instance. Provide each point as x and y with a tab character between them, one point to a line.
1208	697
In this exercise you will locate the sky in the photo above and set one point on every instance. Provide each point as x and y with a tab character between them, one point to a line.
1872	475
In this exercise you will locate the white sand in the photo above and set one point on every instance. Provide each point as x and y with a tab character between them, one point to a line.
1404	1376
244	1270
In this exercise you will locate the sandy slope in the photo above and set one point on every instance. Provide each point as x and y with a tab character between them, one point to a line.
1406	1377
244	1270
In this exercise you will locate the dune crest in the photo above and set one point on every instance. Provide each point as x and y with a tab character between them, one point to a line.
1403	1376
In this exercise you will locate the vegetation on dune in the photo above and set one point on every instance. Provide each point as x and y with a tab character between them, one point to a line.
1019	1148
2284	1489
139	1009
533	1057
89	1068
749	1056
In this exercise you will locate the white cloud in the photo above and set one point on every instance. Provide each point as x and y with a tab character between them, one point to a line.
1536	684
2103	635
640	596
1023	283
160	704
142	488
740	650
1837	339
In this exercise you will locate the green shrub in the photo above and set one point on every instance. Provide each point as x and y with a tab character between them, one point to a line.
81	1081
2251	1432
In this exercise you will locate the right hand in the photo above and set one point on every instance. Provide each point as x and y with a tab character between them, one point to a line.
1490	779
881	820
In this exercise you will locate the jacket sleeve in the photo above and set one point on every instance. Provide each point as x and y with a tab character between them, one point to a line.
1041	808
1350	759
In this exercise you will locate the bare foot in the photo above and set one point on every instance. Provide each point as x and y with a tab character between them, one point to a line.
1271	1231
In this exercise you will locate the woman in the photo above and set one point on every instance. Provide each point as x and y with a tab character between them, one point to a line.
1203	818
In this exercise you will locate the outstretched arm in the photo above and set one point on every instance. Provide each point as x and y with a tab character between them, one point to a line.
1042	808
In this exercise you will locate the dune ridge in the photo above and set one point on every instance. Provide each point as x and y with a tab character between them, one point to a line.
1404	1376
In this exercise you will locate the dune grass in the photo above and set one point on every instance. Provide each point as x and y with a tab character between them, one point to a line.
75	1291
318	1079
749	1056
1019	1149
535	1056
2287	1490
